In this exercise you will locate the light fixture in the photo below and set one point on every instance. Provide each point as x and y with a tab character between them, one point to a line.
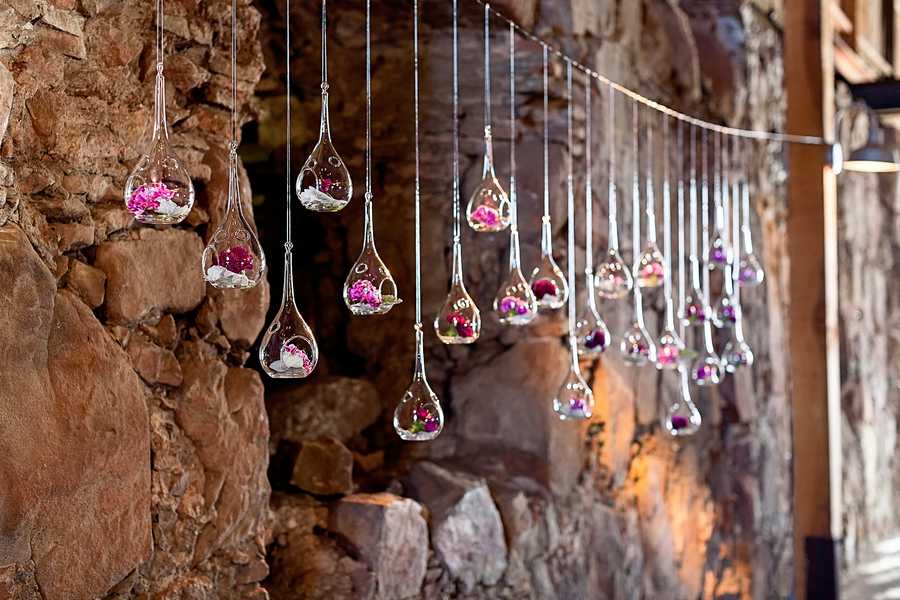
874	157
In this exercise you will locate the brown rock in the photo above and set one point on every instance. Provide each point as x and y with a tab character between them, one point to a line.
154	364
323	467
73	236
158	271
87	282
340	407
242	313
163	333
74	469
7	85
390	535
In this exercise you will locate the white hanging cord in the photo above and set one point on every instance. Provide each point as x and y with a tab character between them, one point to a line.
745	201
759	135
368	101
159	36
695	257
588	190
667	213
288	245
456	210
611	144
487	68
681	269
704	148
514	217
234	108
635	188
546	141
570	188
418	180
324	51
651	196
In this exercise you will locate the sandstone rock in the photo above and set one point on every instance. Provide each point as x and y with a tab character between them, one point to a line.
390	535
74	474
242	313
154	364
337	406
466	528
87	283
323	467
74	236
158	271
7	86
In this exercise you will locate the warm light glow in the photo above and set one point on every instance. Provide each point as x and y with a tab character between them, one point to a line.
871	166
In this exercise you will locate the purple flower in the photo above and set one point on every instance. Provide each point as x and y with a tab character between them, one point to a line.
728	313
679	422
237	259
595	339
147	197
487	216
668	354
703	372
463	326
695	314
325	185
512	306
293	357
718	255
427	419
364	292
543	288
576	404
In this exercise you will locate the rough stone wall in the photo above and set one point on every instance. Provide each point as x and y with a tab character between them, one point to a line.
132	438
868	207
518	504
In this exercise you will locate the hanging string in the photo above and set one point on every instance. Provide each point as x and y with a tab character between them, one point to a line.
514	217
704	148
234	126
681	273
487	68
159	35
588	191
651	197
570	185
717	181
324	51
635	188
369	101
288	245
418	179
706	125
546	143
456	210
745	201
726	200
667	213
695	258
735	268
611	144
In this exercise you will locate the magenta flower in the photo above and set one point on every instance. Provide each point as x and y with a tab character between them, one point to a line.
325	185
653	273
595	339
718	255
544	288
462	325
703	372
237	259
679	422
512	306
695	314
487	216
728	314
576	404
295	358
426	419
364	292
668	354
147	197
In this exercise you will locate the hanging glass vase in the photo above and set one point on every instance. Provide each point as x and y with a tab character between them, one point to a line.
459	320
613	279
736	355
369	288
682	418
515	303
547	281
707	368
488	208
419	417
288	349
574	400
670	350
637	346
159	190
650	271
694	309
233	259
324	183
591	332
724	312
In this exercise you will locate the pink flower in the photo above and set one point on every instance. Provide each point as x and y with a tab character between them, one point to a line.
237	259
463	326
512	306
487	216
544	288
147	197
325	185
668	354
653	273
294	357
364	292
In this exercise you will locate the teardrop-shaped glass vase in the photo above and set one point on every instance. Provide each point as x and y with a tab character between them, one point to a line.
547	280
670	349
650	271
613	279
288	349
693	313
515	303
574	400
718	254
488	208
324	183
591	332
369	288
637	347
723	316
233	259
459	320
737	354
419	417
683	419
707	368
159	190
751	272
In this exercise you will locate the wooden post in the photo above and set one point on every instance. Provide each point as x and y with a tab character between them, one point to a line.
814	335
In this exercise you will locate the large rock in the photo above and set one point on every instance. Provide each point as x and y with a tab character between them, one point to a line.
74	441
158	271
390	536
338	406
466	528
323	467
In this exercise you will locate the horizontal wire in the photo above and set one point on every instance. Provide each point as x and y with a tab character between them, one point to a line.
745	133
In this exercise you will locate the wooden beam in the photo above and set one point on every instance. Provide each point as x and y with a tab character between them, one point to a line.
814	352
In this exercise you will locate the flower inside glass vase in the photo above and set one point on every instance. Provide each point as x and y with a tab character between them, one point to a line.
515	311
294	362
424	421
486	218
156	203
459	328
229	268
364	298
547	293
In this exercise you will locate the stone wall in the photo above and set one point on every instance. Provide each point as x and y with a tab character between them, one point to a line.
132	437
517	504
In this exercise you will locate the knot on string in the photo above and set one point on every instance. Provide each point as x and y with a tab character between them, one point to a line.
369	197
487	131
545	219
288	247
233	146
418	327
324	87
159	68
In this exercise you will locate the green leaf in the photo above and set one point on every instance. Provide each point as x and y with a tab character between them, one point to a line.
417	427
452	332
